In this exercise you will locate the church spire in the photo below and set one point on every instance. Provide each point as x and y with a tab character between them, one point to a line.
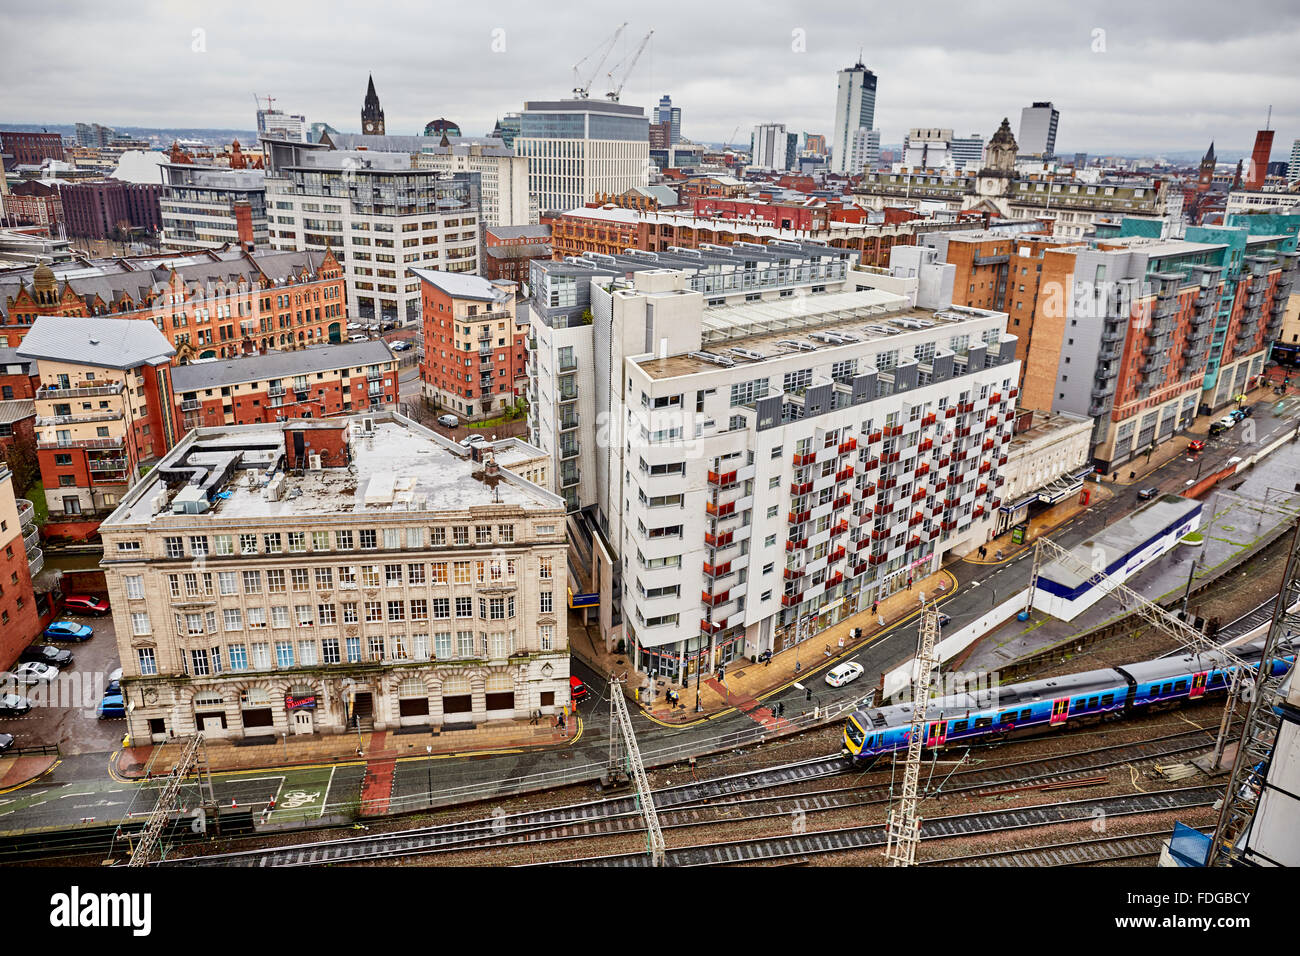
372	116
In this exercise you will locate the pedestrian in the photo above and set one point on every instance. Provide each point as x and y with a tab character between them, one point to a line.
909	582
875	605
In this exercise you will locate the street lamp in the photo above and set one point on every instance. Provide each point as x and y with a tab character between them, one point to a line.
428	750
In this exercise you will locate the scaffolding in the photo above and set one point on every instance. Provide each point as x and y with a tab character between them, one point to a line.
904	830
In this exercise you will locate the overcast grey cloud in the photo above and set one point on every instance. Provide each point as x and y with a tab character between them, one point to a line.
1157	77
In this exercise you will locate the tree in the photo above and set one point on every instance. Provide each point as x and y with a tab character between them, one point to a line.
22	461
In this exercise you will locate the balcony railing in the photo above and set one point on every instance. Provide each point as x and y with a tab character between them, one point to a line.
82	443
26	512
54	392
32	540
35	562
75	419
107	464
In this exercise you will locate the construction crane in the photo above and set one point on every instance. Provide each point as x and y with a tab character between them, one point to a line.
581	88
904	831
614	94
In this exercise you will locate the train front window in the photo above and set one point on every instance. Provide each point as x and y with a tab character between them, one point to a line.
855	732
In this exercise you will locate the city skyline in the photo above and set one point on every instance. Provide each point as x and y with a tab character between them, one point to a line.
1109	71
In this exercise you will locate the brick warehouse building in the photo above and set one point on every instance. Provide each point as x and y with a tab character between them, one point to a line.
34	203
103	410
474	359
94	210
30	149
21	559
507	250
307	383
209	304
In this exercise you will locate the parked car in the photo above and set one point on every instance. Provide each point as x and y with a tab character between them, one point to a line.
111	706
114	685
1222	425
85	604
400	346
358	338
944	619
6	741
841	675
69	631
1197	445
56	657
1237	414
14	705
473	440
1247	411
448	421
1146	494
34	672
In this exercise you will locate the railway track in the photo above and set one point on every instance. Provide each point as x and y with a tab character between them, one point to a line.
1132	846
717	801
845	839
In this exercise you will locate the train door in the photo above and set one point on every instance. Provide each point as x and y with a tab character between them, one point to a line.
1198	684
1060	711
936	733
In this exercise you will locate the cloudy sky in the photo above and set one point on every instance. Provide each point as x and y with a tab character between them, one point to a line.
1127	77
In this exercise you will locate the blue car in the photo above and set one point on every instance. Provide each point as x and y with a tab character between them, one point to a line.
112	706
69	631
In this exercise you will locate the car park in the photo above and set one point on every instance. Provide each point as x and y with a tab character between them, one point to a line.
45	654
112	705
114	685
6	742
69	631
14	705
85	604
1146	494
844	673
448	421
34	672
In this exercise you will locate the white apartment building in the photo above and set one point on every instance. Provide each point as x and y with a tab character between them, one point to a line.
381	215
749	475
197	206
1038	124
577	148
771	147
1245	201
335	576
864	150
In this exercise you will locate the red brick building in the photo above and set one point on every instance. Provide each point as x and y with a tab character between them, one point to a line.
217	303
99	208
20	559
104	409
30	149
306	383
474	359
509	249
33	203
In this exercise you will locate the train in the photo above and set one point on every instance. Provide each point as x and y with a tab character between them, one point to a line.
1041	706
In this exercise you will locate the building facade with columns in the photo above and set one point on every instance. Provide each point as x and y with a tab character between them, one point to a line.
315	577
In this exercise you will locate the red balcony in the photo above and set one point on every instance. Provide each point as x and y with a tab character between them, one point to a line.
948	525
844	474
988	444
995	503
717	571
937	509
713	600
999	481
982	489
877	534
934	533
868	489
950	413
800	488
918	495
929	419
923	470
834	579
1002	459
799	517
861	568
792	573
995	398
941	484
720	511
925	445
791	600
985	467
839	529
864	542
1006	438
916	519
893	430
873	437
848	446
722	480
837	554
949	502
965	407
843	501
882	510
793	544
892	457
945	461
719	540
913	542
978	512
808	459
1013	393
887	483
992	422
877	559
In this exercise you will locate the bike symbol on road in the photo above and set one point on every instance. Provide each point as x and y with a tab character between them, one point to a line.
298	798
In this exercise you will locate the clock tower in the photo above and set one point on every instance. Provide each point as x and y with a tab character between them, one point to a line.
372	117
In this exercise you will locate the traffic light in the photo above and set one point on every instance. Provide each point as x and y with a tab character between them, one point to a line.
807	693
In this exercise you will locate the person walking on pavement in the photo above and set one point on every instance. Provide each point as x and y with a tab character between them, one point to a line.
909	582
874	606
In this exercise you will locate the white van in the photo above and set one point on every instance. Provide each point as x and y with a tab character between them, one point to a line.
358	338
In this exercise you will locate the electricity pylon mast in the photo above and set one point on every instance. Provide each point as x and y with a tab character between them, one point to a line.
904	832
1259	735
192	756
621	730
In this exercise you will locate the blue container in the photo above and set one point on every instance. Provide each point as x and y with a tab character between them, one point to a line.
1022	616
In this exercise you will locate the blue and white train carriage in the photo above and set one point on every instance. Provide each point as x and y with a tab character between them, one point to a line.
1044	705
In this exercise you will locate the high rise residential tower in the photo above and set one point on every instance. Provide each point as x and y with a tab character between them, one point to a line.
855	108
